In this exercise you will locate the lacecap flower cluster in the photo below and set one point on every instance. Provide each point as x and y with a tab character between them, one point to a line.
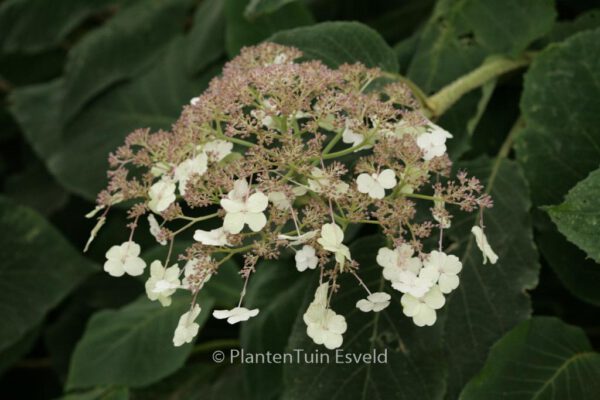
281	156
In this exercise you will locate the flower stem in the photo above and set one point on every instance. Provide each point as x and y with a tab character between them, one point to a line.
490	69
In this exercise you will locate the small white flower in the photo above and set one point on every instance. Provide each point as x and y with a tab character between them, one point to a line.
187	329
323	325
155	229
280	200
374	302
448	267
194	166
351	137
433	142
280	58
217	150
331	240
162	194
214	237
244	209
320	182
375	184
162	282
300	239
195	101
422	310
484	246
413	284
236	314
398	260
123	259
262	116
159	169
306	258
191	268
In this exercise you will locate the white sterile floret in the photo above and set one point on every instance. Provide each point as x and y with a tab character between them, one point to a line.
320	182
398	260
306	258
422	309
217	150
162	282
123	259
187	328
323	325
351	137
161	194
280	200
300	239
244	209
191	269
415	284
374	302
484	246
195	101
448	267
214	237
433	142
194	166
155	229
236	314
331	240
375	184
159	169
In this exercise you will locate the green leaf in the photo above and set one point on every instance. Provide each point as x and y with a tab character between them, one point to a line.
110	393
336	43
578	217
36	25
563	29
278	291
491	299
206	40
560	144
124	47
257	8
133	345
509	26
39	269
542	358
462	33
153	100
580	275
415	367
17	350
242	32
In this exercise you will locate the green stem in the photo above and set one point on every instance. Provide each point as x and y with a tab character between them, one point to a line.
490	69
414	88
504	150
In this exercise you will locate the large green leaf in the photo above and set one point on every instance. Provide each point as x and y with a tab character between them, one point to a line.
542	358
278	291
580	275
243	32
336	43
132	346
560	144
461	33
125	46
491	299
415	367
153	100
109	393
256	8
578	217
206	39
39	268
35	25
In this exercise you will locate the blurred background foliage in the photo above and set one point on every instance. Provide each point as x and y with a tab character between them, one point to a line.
77	75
